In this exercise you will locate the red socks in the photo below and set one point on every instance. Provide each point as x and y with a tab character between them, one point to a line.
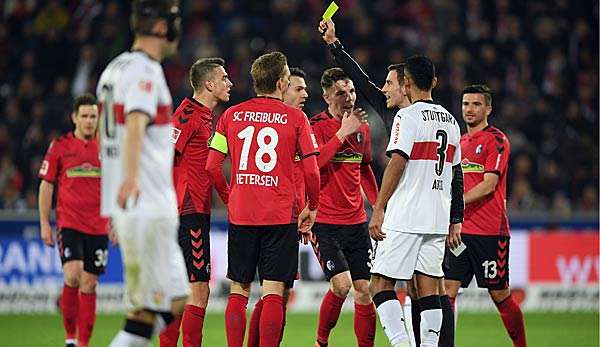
364	324
192	324
253	332
86	318
511	315
271	320
70	310
329	313
235	320
170	334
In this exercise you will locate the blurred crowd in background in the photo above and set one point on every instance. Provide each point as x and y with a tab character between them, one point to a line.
540	57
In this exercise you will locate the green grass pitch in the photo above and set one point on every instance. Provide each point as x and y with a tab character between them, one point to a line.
543	329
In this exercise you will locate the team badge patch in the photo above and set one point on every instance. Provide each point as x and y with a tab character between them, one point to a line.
44	167
314	141
479	149
145	85
175	134
330	265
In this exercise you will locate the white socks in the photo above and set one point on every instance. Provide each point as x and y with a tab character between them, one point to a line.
408	320
391	317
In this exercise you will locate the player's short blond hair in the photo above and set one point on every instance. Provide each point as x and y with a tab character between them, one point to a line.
267	70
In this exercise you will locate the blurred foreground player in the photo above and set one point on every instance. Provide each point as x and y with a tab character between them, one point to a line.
72	163
295	96
192	129
137	173
263	136
341	240
485	156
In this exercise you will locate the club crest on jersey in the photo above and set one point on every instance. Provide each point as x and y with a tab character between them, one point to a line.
145	85
175	134
314	141
44	167
358	137
478	149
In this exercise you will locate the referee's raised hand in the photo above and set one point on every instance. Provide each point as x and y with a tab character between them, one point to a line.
327	30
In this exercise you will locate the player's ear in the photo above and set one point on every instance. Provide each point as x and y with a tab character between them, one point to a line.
73	117
209	85
434	82
160	27
488	110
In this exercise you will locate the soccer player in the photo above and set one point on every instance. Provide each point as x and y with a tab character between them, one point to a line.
485	153
262	136
295	96
387	101
137	172
192	129
72	164
341	239
420	184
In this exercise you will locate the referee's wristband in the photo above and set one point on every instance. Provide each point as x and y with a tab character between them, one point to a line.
336	45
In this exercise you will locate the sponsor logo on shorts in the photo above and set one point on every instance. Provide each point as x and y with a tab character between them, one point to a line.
330	265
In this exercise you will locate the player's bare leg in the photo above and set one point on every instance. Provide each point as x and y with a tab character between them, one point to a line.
331	306
87	307
511	315
431	310
235	313
70	299
389	310
364	314
412	314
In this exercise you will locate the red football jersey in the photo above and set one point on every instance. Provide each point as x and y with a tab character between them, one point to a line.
73	165
263	136
487	150
192	129
341	201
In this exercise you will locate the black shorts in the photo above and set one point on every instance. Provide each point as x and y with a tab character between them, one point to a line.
341	248
194	240
91	249
486	257
273	249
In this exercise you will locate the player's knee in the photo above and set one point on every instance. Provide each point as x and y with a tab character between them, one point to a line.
178	305
200	294
88	284
72	277
341	288
499	295
451	287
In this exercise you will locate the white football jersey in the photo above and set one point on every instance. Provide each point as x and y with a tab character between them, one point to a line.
429	137
135	82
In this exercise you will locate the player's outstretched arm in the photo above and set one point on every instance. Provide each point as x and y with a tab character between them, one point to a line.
391	177
483	188
351	122
363	82
135	124
214	167
45	206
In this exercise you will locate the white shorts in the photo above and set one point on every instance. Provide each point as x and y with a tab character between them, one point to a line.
401	254
153	264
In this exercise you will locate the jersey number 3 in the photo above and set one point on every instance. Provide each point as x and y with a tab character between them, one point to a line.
442	138
264	148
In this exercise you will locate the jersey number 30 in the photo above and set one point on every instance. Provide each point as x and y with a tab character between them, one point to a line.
264	148
442	138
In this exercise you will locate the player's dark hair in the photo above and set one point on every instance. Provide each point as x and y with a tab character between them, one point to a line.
266	70
202	70
145	14
399	68
298	72
83	99
332	75
479	89
421	70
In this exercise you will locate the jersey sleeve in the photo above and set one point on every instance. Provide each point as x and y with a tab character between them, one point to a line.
307	142
368	154
181	133
141	92
457	151
219	140
498	151
50	167
402	138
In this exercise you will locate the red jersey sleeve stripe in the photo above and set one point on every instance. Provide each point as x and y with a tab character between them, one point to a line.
428	151
163	114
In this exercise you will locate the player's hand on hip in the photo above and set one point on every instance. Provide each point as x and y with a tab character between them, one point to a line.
453	239
375	229
327	30
46	234
128	193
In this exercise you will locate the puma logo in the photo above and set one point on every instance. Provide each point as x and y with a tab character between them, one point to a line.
433	331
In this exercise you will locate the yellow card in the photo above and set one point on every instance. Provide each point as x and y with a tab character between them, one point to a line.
330	11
